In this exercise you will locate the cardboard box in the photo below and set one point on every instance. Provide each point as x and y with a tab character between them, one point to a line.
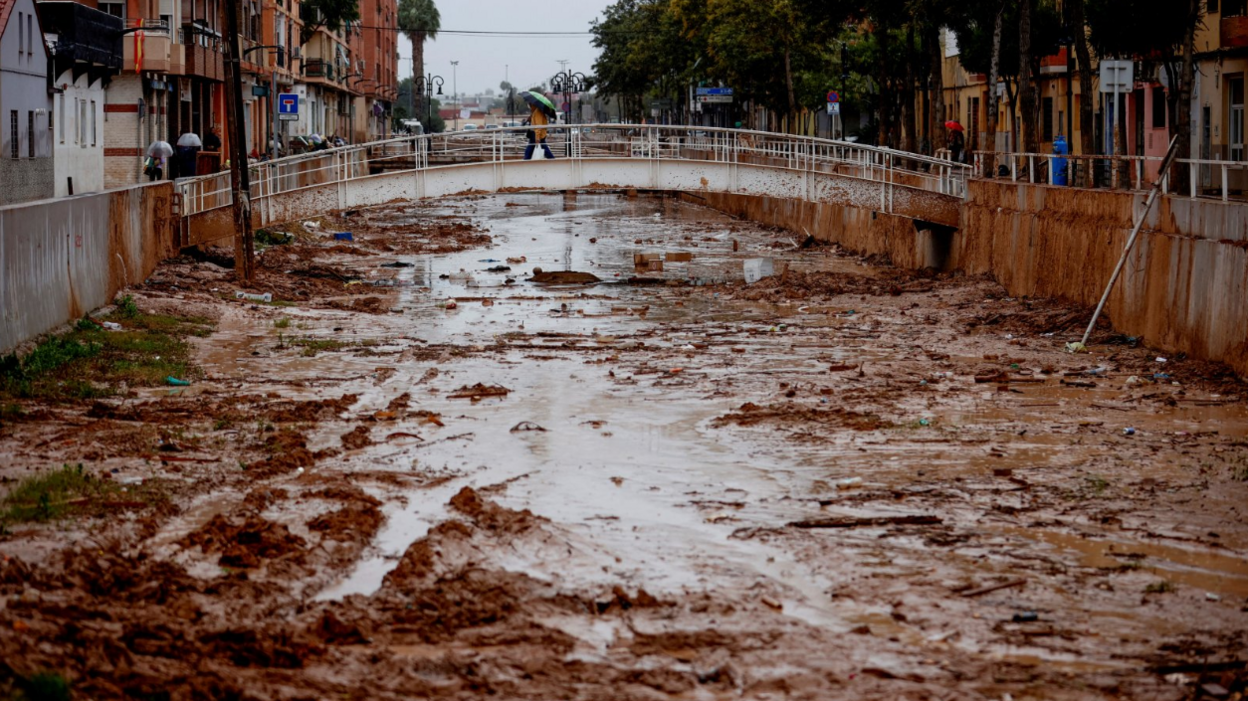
678	257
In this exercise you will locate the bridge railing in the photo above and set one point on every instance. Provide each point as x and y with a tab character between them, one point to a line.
589	141
1210	178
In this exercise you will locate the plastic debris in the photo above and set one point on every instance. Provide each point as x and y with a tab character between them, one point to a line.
1160	376
1076	347
343	236
1212	597
758	268
112	326
266	297
1160	359
849	483
176	382
1026	617
1128	431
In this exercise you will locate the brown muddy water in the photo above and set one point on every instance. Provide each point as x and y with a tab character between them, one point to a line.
693	488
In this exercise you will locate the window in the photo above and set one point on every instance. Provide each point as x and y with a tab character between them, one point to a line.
30	134
60	108
21	34
1233	8
116	9
93	134
30	36
1235	117
13	135
1212	7
1046	131
1159	107
82	123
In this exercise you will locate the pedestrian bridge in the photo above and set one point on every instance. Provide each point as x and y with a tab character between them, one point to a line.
593	156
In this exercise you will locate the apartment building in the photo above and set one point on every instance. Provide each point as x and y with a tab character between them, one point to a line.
376	50
26	164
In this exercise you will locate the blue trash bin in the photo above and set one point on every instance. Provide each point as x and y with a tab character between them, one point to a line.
1060	164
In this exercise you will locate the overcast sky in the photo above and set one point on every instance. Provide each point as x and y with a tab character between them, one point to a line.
484	60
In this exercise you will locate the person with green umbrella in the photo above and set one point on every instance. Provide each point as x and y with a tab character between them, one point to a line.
540	111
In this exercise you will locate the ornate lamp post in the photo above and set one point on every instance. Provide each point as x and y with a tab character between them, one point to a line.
568	83
426	84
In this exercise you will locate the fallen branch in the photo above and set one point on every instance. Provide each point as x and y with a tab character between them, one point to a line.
853	522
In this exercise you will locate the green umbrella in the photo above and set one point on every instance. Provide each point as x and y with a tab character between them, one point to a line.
540	101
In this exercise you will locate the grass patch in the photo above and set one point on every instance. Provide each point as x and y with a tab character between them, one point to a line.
1163	586
312	346
67	491
42	686
282	323
90	361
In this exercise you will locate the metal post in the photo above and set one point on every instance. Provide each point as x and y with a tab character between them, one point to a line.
273	109
244	251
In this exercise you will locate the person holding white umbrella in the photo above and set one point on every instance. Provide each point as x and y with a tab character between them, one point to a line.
188	152
157	155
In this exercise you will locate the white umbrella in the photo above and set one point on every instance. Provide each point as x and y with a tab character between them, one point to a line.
160	149
190	140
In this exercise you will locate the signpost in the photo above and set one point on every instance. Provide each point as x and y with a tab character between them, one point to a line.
288	107
713	96
834	110
1116	77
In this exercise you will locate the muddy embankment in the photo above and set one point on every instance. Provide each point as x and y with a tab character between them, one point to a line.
1185	288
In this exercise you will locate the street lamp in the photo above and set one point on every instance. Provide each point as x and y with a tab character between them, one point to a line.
425	84
568	82
455	89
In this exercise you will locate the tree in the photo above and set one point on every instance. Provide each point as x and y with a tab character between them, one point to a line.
429	117
1026	85
330	14
1087	139
419	20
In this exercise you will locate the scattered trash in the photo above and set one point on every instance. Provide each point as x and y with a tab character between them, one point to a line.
489	260
311	226
1215	690
266	297
176	382
1015	366
344	236
113	326
1128	431
758	268
1026	617
678	257
994	587
1160	376
518	260
395	264
1161	359
526	426
1098	371
925	422
772	603
1076	347
498	269
1133	380
451	305
487	302
849	483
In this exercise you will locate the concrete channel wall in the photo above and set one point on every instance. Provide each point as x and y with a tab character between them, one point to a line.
1184	288
62	258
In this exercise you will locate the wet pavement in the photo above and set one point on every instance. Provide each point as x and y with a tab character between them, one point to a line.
639	501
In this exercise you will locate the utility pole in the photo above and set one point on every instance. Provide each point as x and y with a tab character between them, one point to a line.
244	250
455	89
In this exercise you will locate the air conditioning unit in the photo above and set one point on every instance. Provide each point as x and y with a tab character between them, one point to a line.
296	52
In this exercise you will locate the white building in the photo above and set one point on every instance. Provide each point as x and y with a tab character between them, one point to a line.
25	145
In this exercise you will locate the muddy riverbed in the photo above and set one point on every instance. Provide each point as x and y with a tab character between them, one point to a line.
417	473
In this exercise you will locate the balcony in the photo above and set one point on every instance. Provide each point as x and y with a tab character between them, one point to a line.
1234	31
156	50
319	68
205	62
82	38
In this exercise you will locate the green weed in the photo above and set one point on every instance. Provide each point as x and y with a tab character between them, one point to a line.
45	686
126	308
282	323
52	495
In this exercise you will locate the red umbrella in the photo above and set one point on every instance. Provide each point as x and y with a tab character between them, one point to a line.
954	125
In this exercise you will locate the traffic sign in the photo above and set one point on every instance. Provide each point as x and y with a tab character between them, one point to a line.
714	98
288	107
714	91
833	97
834	108
1117	76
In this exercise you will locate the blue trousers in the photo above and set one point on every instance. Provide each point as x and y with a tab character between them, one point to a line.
528	151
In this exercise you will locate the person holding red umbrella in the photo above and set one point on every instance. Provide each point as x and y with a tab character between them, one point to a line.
957	142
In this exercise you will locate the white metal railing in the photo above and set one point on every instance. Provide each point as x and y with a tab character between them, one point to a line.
597	141
1206	177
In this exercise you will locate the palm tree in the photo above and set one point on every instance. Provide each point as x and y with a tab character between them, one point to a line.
418	20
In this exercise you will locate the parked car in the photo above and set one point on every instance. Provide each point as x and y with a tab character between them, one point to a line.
470	127
491	126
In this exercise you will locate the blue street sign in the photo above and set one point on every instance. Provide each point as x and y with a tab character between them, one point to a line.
714	91
288	103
